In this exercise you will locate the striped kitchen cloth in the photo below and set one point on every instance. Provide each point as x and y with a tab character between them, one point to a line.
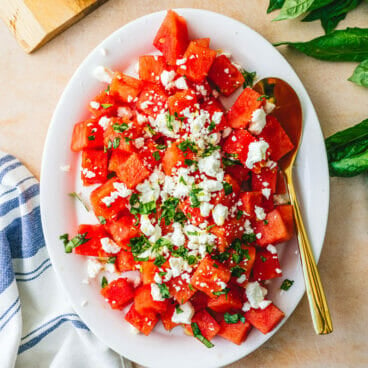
38	327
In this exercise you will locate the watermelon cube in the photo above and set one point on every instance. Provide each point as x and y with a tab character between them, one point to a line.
124	87
266	266
265	320
143	323
235	332
118	293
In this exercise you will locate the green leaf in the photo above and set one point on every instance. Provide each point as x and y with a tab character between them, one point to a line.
120	128
350	44
111	260
293	8
102	220
156	155
78	240
198	335
164	291
116	142
228	188
274	5
319	4
347	150
104	282
159	261
233	318
249	78
331	14
178	309
360	75
286	284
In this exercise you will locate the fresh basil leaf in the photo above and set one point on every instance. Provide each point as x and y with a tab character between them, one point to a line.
249	78
164	291
293	8
332	13
102	220
156	155
360	75
111	260
78	240
120	128
159	261
350	44
198	335
286	284
274	5
350	166
104	282
178	309
348	142
116	142
319	4
228	188
233	318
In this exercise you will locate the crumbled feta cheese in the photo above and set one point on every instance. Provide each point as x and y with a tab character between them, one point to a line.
122	189
110	267
109	246
124	112
210	165
156	234
257	122
145	225
181	61
157	278
260	213
246	307
93	267
217	117
205	209
255	294
185	315
65	168
256	153
241	279
226	132
103	74
176	265
88	174
181	83
95	105
266	192
278	270
104	122
272	249
219	214
258	235
133	330
269	107
177	236
139	142
279	199
248	227
156	293
167	78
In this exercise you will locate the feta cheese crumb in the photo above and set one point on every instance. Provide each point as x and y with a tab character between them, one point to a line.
185	315
278	270
133	330
266	192
260	213
93	268
103	74
256	153
272	249
255	294
241	279
181	83
104	122
156	293
167	78
84	303
205	208
146	226
257	122
139	142
95	105
269	107
219	214
109	246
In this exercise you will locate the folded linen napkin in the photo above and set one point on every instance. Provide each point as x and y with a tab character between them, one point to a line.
38	327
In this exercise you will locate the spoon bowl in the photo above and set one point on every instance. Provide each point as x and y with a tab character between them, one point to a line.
288	111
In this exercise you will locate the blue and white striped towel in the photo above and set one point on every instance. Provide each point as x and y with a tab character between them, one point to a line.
38	328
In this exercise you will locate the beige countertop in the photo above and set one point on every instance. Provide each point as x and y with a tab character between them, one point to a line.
32	84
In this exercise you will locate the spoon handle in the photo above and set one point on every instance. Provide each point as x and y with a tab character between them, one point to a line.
316	296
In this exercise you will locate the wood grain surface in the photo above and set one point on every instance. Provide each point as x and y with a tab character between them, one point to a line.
32	85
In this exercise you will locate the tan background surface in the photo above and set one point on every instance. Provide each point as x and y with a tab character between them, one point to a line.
31	86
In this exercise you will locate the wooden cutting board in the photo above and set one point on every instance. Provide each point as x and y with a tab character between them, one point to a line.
35	22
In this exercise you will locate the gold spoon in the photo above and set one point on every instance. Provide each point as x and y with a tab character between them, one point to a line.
289	113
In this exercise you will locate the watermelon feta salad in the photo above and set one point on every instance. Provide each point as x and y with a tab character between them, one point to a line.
186	194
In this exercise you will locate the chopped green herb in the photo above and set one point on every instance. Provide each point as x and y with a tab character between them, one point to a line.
156	155
182	180
180	217
127	139
104	282
139	244
209	248
151	130
187	144
262	97
239	214
160	147
286	284
194	201
141	259
109	145
180	252
249	238
221	292
192	260
221	257
144	208
107	90
120	127
102	220
91	137
105	106
176	114
133	199
249	78
178	309
116	142
263	259
159	261
191	287
169	121
168	209
228	188
162	273
212	126
111	260
79	198
265	222
193	233
190	162
209	150
229	162
208	228
78	240
233	318
164	291
237	271
198	335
